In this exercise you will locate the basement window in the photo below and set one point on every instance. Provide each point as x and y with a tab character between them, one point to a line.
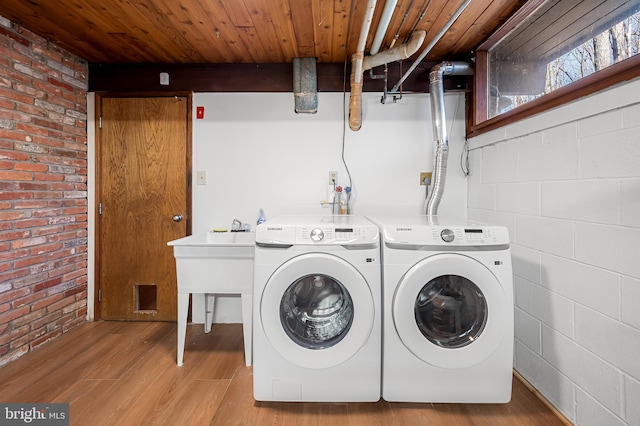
552	52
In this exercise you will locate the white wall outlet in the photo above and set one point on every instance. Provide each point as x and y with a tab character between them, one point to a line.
164	78
333	177
201	177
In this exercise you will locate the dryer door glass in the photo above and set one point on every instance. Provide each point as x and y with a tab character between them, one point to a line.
451	311
316	311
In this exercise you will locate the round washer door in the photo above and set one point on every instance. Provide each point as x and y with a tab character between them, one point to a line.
317	310
450	311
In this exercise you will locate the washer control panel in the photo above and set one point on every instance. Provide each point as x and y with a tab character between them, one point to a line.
334	235
340	230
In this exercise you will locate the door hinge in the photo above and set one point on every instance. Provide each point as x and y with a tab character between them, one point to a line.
100	208
99	295
100	122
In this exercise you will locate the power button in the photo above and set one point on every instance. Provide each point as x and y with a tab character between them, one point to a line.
447	235
316	235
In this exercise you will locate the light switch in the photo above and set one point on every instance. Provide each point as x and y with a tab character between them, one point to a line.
164	78
201	177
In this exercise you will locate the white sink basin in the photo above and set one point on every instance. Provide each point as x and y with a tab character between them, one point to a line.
231	238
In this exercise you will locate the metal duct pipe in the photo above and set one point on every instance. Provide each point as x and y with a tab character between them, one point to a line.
396	54
441	151
433	42
387	12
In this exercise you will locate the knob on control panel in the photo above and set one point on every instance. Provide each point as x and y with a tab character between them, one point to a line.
447	235
317	235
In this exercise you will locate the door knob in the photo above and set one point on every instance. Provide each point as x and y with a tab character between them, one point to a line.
177	218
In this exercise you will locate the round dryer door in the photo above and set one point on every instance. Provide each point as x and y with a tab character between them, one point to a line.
317	310
450	311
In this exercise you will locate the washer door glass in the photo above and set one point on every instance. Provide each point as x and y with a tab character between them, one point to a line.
316	311
451	311
455	320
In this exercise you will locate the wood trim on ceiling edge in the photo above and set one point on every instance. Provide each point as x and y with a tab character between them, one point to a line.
247	78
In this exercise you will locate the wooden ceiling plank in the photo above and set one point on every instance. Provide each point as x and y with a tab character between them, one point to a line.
495	16
435	20
253	43
228	46
125	30
177	45
44	19
208	24
238	13
283	26
263	22
340	31
302	21
116	34
445	47
190	25
396	24
239	31
322	26
488	17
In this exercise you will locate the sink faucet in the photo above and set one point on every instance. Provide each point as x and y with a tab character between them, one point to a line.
236	225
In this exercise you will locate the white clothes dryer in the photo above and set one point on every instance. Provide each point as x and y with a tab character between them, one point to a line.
447	311
317	310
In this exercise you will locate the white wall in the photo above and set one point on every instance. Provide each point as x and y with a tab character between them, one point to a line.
257	152
567	185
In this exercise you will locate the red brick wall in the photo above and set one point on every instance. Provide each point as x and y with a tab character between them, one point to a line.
43	191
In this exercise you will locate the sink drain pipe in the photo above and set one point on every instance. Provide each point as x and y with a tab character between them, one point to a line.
360	65
441	150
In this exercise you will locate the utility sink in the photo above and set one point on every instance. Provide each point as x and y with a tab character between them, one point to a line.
215	239
232	238
214	263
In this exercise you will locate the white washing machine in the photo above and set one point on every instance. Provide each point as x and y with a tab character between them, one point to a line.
317	310
447	311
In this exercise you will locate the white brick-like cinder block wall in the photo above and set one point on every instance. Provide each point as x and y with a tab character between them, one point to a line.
566	183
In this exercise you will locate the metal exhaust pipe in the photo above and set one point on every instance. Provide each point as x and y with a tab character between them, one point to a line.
441	152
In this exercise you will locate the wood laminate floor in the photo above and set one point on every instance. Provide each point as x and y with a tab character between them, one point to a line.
124	373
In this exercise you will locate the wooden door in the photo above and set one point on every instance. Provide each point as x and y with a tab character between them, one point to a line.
143	187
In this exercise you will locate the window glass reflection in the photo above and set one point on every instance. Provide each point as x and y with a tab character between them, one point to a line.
558	44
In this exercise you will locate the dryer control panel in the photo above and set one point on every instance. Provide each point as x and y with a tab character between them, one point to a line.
469	236
434	235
